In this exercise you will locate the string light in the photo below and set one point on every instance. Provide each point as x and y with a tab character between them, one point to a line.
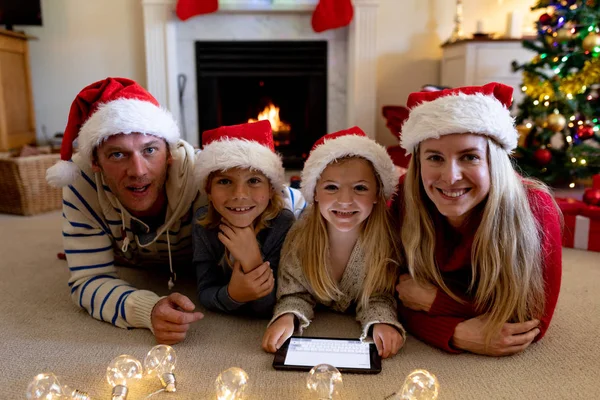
583	162
573	160
231	384
536	102
46	386
569	139
121	371
570	96
324	382
529	125
572	118
160	361
418	385
572	185
524	88
546	103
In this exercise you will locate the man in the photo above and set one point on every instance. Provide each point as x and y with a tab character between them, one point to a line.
129	198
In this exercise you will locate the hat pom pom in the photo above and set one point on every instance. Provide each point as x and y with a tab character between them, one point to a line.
61	174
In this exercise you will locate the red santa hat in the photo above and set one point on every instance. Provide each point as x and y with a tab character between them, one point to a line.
351	142
105	108
240	146
481	110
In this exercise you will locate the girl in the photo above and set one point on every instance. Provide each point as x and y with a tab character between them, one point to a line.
483	245
239	235
341	250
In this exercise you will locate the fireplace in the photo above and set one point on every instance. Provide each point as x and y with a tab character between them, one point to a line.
282	81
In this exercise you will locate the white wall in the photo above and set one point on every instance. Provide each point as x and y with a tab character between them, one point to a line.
80	42
86	40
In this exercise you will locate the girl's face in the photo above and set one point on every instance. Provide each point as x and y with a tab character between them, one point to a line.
345	194
239	195
455	174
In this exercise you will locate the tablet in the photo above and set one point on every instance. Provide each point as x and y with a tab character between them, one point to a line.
301	353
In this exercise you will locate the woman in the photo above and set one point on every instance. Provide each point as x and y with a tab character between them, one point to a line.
482	244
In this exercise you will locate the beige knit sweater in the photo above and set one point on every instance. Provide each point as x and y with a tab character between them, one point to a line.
294	295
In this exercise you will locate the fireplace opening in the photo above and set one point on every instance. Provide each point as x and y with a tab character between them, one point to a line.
282	81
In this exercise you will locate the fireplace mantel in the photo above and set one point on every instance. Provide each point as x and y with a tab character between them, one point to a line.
160	32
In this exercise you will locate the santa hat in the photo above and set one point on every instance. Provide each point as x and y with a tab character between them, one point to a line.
109	107
473	109
240	146
351	142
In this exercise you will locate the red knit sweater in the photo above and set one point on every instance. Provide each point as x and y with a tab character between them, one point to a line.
453	257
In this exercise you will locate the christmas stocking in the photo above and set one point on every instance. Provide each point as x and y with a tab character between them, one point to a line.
331	14
188	8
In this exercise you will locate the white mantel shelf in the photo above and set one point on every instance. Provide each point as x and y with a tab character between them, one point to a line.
243	6
160	33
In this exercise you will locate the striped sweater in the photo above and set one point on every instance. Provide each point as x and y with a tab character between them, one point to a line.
99	233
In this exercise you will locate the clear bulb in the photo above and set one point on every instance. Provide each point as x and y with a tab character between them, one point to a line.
231	384
324	381
420	385
160	361
122	370
46	386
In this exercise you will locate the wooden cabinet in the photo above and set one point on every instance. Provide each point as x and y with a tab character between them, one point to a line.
17	119
477	62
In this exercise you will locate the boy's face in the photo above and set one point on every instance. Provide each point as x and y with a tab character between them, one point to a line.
135	169
240	195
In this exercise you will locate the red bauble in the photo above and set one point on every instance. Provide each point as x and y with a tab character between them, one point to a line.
585	132
545	19
542	156
592	197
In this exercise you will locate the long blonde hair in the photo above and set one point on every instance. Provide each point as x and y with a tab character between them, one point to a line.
308	242
212	218
507	282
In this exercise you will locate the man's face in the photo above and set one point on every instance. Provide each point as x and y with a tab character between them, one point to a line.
135	169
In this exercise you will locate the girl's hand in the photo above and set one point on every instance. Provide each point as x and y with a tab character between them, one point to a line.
242	244
469	335
254	285
387	339
415	296
278	333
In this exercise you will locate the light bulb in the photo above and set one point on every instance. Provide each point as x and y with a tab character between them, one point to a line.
46	386
120	372
231	384
420	385
324	381
160	361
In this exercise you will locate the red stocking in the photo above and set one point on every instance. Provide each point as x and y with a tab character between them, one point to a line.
331	14
188	8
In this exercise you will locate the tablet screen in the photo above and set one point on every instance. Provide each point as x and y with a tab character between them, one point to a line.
340	353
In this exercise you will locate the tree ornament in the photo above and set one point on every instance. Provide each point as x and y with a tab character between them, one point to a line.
557	141
524	131
545	19
556	122
591	41
590	3
563	35
542	156
585	132
592	197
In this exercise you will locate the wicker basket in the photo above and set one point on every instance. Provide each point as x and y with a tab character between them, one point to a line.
23	187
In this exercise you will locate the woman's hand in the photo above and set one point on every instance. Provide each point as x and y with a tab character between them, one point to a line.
512	338
242	244
415	296
387	339
278	333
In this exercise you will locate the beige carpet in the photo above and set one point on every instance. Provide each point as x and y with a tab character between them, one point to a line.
41	330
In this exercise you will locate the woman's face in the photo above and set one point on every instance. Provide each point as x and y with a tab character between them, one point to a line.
455	174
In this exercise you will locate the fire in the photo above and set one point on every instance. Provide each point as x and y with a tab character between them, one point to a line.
271	113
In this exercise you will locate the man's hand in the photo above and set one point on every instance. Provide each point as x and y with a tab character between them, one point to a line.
415	296
278	333
512	338
171	318
387	339
254	285
242	244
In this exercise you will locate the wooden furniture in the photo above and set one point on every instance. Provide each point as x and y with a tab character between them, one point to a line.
480	61
17	120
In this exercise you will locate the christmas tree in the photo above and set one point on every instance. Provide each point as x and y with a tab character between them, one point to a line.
559	118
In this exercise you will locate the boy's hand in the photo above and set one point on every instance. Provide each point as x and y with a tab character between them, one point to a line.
242	244
254	285
278	333
387	339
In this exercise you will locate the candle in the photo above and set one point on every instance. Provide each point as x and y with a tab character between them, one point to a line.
514	28
479	28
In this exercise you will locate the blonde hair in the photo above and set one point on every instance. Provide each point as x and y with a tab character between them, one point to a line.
506	261
212	218
308	241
